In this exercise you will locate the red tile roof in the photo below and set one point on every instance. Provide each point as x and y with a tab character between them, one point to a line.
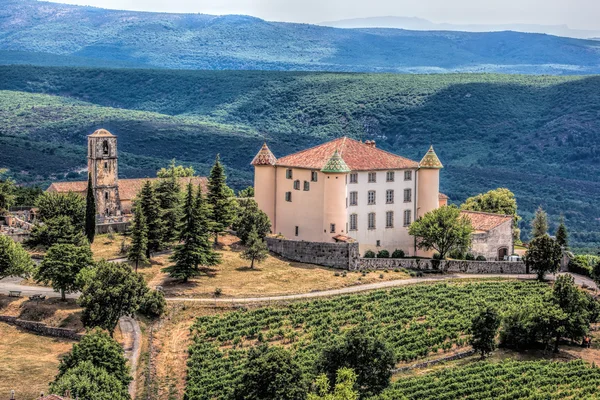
128	188
485	222
357	155
443	196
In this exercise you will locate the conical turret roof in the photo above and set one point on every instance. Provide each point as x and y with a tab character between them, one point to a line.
336	164
431	160
264	157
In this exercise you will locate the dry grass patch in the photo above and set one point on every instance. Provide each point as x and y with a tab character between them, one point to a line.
28	362
105	247
275	276
52	311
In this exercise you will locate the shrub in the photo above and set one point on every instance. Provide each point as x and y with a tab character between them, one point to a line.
437	256
481	258
218	292
457	255
369	254
153	304
469	256
383	254
396	270
336	274
380	276
398	253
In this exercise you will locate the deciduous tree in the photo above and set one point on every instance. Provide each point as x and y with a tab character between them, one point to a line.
484	328
72	205
251	217
14	259
256	249
497	201
543	256
56	230
343	389
86	381
442	230
61	266
177	171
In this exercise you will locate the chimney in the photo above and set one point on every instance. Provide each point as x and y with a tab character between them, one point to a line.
370	143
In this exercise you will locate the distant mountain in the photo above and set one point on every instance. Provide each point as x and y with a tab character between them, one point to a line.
420	24
51	34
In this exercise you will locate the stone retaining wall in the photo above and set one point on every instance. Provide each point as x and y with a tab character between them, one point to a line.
115	227
336	255
41	328
426	364
450	266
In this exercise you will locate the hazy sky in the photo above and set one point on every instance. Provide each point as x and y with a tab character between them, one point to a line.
580	14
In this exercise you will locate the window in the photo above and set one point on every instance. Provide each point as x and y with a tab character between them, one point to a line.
406	217
378	243
296	185
105	147
389	196
105	165
371	221
389	219
105	195
353	198
297	231
389	176
354	178
288	173
288	196
407	195
408	175
313	176
306	186
371	197
372	177
332	228
353	222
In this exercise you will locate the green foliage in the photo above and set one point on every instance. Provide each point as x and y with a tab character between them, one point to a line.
168	192
497	201
344	387
483	331
583	264
370	358
250	217
102	351
153	304
270	373
596	273
14	259
256	248
7	193
61	267
543	255
383	254
409	320
90	211
53	205
369	254
56	230
139	237
113	290
150	208
471	257
91	383
480	258
539	224
398	253
506	380
246	193
220	198
443	230
562	235
26	196
195	249
177	171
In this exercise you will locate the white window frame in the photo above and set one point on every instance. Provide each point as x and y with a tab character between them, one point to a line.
353	222
372	221
372	177
407	195
353	198
372	200
354	177
408	175
390	176
389	196
407	217
389	219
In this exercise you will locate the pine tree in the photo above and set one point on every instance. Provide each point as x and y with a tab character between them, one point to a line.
90	212
150	205
168	192
139	238
539	224
195	248
562	235
220	197
256	249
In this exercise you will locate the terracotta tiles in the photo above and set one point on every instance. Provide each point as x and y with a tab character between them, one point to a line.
483	221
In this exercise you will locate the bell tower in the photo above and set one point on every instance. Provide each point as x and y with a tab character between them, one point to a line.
102	165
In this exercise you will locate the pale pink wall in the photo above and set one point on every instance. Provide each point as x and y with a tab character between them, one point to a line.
428	189
264	190
334	206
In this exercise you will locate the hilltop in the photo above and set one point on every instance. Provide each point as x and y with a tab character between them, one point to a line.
43	33
537	136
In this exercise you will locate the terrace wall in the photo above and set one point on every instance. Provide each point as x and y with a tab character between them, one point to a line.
336	255
41	328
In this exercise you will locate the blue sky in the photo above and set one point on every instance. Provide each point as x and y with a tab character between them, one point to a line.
579	14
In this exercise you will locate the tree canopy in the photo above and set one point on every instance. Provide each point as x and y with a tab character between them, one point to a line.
221	199
497	201
61	267
543	255
139	237
343	389
484	328
86	381
539	223
14	259
250	217
150	207
53	205
176	171
7	192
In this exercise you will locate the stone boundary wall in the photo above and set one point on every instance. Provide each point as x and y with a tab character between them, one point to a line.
117	227
450	266
336	255
41	328
426	364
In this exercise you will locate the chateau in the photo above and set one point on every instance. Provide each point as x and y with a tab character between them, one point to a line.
114	196
346	190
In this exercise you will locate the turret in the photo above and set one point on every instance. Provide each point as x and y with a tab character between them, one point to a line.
428	183
264	182
334	203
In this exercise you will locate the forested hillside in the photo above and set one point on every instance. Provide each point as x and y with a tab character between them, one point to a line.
42	33
537	136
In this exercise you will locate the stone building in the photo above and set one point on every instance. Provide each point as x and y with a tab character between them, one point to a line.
347	190
114	196
492	236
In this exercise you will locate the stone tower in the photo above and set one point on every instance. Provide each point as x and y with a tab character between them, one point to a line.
102	165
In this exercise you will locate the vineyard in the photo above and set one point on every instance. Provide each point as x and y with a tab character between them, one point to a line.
415	321
502	381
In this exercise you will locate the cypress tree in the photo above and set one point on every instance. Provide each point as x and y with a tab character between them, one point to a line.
539	224
220	197
90	212
139	238
150	205
195	248
562	235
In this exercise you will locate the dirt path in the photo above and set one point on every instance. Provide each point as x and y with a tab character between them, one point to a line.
132	335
